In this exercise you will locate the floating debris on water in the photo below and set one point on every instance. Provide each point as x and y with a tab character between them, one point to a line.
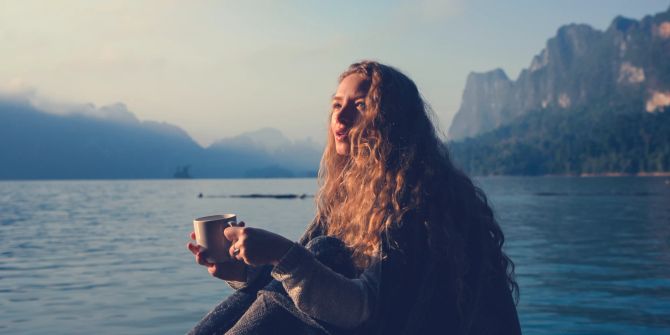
260	196
633	194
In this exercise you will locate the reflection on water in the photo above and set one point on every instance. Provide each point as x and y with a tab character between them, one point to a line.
593	260
592	254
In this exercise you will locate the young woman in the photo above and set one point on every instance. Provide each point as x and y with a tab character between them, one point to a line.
402	241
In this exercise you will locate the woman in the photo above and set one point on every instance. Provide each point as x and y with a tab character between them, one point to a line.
402	242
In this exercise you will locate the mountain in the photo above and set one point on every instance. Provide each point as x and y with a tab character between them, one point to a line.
265	139
591	103
578	67
279	152
84	142
593	140
263	153
39	145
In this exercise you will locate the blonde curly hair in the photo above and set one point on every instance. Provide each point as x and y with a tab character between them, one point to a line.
397	164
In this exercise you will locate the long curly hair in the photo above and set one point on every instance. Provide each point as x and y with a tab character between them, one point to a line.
397	164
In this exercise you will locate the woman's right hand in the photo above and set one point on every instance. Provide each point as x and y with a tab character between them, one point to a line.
233	270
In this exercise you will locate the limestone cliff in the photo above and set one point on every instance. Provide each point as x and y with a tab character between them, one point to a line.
580	66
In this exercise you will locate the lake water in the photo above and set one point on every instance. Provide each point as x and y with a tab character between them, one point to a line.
109	257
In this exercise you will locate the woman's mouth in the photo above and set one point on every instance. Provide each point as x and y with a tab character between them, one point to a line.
340	135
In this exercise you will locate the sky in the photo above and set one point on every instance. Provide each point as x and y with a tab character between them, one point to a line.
221	68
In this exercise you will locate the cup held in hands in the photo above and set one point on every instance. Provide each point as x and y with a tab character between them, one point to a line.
209	236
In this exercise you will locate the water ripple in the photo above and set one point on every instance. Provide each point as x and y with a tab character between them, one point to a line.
591	254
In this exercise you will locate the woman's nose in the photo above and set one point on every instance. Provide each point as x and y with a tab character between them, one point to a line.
347	114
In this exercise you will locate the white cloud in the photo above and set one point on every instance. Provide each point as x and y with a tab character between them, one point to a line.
19	91
16	87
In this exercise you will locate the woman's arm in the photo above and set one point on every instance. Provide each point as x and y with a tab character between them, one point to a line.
325	294
252	274
315	289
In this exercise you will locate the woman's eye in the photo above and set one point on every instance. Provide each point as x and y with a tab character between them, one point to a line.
337	106
360	105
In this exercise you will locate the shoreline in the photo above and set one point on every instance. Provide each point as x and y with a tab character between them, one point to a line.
586	175
619	174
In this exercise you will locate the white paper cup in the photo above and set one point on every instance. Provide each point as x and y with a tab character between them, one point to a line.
209	236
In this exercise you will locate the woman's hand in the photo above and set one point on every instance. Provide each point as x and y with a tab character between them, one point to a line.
233	270
256	246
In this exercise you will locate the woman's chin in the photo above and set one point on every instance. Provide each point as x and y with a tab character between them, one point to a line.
342	148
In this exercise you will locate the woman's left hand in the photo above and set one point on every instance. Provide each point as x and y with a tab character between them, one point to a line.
256	246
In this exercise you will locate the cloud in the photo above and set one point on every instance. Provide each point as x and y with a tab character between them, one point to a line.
17	90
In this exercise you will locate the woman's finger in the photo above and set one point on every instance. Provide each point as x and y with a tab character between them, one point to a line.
237	251
214	270
234	233
201	258
193	248
192	235
231	250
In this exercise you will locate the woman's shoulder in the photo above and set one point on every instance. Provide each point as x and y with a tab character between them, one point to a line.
315	229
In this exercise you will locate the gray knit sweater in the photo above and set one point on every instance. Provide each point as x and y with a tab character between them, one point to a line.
412	298
322	293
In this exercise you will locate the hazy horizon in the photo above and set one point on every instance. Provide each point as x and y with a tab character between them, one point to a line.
219	69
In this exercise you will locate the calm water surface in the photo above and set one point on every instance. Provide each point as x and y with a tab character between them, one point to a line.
78	257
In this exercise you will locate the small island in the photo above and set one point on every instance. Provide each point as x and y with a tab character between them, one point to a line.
182	172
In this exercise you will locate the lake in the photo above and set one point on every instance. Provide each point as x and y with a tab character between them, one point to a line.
592	254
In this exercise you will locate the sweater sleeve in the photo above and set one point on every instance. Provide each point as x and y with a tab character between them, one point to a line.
252	274
325	294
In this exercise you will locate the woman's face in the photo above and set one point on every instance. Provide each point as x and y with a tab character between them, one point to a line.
348	103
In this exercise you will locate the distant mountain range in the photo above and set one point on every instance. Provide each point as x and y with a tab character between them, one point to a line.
111	143
592	102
